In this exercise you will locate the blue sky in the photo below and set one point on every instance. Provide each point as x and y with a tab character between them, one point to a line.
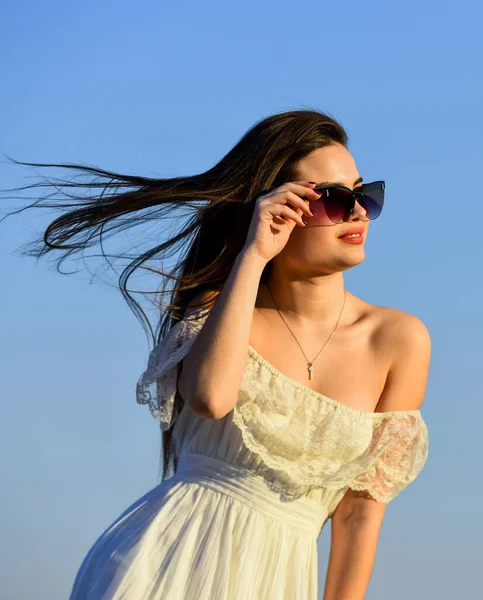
150	89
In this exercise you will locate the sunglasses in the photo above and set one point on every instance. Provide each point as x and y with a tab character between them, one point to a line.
337	202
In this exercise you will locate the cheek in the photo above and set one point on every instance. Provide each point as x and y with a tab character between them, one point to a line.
320	217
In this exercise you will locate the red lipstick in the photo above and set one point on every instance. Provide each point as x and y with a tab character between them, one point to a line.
354	235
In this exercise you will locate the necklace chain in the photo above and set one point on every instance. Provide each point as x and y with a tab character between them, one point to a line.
310	364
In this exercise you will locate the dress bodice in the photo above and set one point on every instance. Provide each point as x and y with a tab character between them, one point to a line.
302	442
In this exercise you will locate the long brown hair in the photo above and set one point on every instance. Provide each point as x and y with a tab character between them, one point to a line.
222	200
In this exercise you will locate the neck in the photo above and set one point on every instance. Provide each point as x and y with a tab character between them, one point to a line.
314	301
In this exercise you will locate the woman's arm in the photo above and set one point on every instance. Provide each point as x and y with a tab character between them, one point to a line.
213	369
358	518
353	548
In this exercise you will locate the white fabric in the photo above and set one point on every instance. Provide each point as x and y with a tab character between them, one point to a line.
240	518
210	532
157	385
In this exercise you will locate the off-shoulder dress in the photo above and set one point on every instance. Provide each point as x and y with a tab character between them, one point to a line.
240	518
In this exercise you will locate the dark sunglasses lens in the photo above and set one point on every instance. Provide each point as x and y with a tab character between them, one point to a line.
338	204
372	199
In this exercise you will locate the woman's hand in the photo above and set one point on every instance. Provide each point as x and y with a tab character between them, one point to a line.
275	215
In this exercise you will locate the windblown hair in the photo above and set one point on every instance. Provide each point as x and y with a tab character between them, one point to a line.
223	199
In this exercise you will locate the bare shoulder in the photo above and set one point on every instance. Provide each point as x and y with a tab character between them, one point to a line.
400	329
391	326
406	342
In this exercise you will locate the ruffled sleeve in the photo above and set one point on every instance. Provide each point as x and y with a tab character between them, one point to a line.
157	386
396	455
308	441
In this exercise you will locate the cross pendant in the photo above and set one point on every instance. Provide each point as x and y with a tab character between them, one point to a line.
310	369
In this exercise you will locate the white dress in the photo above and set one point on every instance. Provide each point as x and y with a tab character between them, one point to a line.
240	518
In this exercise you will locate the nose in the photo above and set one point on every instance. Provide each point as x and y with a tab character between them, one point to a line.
358	212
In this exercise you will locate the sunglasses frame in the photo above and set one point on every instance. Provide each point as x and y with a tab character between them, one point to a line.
355	193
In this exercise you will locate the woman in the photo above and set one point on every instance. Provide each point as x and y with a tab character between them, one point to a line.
271	430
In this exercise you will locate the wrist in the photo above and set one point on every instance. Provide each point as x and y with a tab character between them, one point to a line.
255	260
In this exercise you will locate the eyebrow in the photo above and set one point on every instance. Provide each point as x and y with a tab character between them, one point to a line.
327	183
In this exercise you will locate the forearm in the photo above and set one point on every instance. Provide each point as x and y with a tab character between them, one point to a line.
217	359
352	556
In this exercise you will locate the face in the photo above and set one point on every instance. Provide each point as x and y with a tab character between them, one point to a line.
318	247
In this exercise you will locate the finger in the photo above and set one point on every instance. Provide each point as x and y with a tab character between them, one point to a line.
282	210
289	197
301	188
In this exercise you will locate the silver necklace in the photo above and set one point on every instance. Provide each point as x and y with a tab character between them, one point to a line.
310	364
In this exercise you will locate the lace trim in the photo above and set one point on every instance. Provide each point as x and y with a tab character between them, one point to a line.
321	397
342	448
157	386
381	481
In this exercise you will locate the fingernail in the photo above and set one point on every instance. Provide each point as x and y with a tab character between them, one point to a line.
314	212
313	182
305	222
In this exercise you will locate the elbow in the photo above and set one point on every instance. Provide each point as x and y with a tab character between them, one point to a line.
209	407
212	409
203	408
206	404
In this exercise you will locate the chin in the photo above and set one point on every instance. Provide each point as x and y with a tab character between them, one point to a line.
352	261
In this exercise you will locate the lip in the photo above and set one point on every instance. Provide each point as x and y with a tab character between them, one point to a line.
352	240
353	230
